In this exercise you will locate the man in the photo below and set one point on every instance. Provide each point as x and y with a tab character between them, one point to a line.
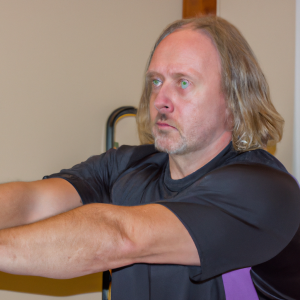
174	222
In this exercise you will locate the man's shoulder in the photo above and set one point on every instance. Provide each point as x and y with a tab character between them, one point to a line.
253	169
270	192
253	175
134	155
136	152
256	157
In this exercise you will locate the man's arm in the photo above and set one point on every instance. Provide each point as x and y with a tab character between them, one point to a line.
95	238
26	202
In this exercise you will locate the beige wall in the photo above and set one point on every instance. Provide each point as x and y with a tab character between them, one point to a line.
297	96
269	27
65	65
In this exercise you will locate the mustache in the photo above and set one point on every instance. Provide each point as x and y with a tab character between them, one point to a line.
160	117
163	117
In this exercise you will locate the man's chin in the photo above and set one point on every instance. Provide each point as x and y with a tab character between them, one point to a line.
169	147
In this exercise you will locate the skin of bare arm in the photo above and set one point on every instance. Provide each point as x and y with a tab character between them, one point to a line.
26	202
96	237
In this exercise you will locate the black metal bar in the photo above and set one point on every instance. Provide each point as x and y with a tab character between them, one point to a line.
110	139
111	121
106	280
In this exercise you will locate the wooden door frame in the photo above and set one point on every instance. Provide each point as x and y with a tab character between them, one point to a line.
194	8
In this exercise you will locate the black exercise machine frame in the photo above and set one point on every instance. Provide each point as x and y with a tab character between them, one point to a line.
112	120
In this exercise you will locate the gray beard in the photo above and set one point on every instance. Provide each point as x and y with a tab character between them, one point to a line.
179	149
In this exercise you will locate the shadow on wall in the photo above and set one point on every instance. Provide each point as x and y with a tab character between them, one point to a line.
51	287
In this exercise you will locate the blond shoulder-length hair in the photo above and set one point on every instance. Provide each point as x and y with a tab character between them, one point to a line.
255	119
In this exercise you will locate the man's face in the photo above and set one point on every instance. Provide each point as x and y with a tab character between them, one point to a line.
187	107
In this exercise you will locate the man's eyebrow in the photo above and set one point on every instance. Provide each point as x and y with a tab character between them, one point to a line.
188	75
180	75
152	74
191	73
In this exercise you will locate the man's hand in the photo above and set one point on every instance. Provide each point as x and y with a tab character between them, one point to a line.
94	238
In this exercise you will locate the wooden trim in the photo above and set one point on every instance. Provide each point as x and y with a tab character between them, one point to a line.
195	8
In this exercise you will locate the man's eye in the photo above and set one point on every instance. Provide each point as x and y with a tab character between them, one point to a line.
156	82
184	84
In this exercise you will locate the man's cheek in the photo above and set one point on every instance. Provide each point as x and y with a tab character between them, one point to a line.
153	113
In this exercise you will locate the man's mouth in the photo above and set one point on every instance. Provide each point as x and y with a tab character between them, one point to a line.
164	125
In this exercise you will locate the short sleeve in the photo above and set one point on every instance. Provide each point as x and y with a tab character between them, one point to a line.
238	216
94	178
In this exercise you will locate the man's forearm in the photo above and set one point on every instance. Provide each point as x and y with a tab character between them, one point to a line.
96	237
75	243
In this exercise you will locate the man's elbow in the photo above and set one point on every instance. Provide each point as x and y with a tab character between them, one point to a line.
115	243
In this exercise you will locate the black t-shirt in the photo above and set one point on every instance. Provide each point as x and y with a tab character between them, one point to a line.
241	210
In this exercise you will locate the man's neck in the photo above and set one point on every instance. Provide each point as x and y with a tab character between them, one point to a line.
184	165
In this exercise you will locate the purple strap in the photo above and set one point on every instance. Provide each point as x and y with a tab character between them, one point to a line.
238	285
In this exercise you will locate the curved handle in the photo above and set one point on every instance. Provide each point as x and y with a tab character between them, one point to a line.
114	117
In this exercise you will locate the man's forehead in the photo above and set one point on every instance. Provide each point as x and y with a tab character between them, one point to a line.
184	50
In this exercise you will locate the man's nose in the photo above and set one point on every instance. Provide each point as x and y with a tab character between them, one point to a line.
163	101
